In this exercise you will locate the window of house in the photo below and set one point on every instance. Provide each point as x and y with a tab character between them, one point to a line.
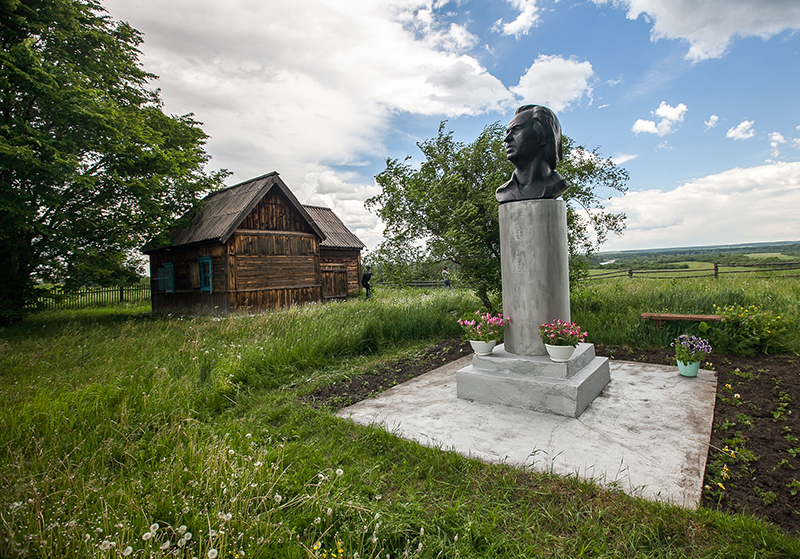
205	274
166	277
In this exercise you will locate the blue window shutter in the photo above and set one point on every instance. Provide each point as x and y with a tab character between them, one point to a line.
205	274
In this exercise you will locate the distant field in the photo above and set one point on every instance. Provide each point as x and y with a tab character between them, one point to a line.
778	255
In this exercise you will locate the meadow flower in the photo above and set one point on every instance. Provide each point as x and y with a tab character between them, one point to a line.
147	535
339	472
154	528
187	536
127	551
165	545
182	529
278	498
212	553
105	544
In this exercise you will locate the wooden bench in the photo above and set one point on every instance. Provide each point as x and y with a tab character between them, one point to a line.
659	317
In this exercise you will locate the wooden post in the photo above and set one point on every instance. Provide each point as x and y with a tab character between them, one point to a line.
121	294
630	272
716	270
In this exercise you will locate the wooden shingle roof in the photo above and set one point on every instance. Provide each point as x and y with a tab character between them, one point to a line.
224	210
337	235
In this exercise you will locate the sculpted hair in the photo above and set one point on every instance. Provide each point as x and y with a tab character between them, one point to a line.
546	125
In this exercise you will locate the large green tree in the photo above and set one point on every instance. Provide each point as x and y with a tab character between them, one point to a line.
448	205
90	165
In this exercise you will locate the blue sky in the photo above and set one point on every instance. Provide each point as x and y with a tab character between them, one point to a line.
698	99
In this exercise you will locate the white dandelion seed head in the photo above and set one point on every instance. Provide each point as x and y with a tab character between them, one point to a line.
187	536
154	527
182	529
165	545
227	517
278	498
181	542
339	472
212	553
317	520
127	551
330	511
105	544
257	464
147	535
248	435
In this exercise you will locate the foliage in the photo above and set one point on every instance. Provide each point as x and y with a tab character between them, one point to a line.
448	205
690	349
561	332
485	327
611	309
92	167
747	330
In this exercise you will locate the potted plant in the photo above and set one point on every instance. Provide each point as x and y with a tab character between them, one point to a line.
689	351
484	330
560	338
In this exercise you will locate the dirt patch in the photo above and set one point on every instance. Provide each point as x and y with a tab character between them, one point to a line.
346	393
754	457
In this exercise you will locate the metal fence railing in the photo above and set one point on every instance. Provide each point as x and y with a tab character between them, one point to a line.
59	298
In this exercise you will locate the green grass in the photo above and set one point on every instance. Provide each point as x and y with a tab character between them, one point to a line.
118	427
610	310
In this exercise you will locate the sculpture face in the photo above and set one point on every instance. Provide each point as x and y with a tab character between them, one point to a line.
533	145
522	141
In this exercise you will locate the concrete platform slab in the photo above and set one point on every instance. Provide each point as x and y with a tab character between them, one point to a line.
647	433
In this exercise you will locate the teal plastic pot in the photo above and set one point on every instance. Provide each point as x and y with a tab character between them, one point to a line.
688	369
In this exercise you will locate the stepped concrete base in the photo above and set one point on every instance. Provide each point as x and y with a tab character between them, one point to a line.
535	382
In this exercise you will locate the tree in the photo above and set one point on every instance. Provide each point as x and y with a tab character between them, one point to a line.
90	166
449	205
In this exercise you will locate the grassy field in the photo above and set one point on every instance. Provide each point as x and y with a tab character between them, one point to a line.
124	434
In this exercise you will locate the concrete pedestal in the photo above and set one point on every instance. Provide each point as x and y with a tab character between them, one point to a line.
535	268
535	382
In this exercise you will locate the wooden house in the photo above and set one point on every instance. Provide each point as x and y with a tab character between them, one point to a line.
340	251
252	247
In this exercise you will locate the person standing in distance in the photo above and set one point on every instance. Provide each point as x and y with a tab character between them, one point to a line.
365	281
446	278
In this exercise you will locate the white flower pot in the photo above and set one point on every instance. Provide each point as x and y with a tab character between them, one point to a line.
482	348
560	353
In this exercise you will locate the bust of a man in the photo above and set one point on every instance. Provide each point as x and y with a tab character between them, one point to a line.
533	145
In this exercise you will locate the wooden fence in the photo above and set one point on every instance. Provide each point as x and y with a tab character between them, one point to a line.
773	269
59	298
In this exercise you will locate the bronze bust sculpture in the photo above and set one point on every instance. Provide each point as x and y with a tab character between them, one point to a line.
533	145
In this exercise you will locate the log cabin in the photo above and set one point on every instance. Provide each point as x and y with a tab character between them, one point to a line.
253	247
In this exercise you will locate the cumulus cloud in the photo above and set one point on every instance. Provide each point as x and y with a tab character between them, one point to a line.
768	195
775	140
711	122
273	98
668	115
555	81
527	18
710	26
742	131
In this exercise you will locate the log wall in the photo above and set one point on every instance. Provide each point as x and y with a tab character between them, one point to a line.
350	259
275	213
187	297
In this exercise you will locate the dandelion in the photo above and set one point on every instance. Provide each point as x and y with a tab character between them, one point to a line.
147	535
187	536
278	498
721	486
317	520
182	529
154	528
165	545
212	553
330	512
127	551
248	436
231	452
105	545
339	472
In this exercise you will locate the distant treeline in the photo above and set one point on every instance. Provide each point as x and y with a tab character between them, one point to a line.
677	259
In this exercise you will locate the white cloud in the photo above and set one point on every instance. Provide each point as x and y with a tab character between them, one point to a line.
527	18
740	205
742	131
775	140
624	158
555	82
710	25
669	116
300	87
711	122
